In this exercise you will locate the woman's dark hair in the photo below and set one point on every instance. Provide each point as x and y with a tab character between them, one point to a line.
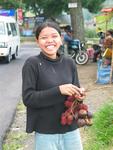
47	24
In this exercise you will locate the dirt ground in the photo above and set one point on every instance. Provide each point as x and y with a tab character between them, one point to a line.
97	95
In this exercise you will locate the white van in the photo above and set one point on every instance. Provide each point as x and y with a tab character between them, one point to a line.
9	38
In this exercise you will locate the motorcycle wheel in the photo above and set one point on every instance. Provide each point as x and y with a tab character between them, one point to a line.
81	58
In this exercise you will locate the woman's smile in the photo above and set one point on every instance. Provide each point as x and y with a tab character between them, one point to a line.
49	41
50	46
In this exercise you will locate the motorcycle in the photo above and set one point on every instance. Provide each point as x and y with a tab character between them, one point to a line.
77	51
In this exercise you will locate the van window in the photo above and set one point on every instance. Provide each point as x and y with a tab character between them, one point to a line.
2	28
8	30
13	29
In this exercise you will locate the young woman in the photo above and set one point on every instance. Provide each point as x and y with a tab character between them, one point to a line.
48	79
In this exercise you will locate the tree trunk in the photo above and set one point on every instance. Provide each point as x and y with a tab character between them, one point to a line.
77	20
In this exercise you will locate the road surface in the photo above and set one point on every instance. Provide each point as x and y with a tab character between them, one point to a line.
10	86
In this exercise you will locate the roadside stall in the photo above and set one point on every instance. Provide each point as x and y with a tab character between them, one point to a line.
105	69
28	24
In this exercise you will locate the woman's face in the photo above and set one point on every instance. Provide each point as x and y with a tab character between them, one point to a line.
49	41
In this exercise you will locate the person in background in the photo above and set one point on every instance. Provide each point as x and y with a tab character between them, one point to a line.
68	35
109	32
108	39
101	35
108	44
97	52
101	40
99	31
47	80
99	48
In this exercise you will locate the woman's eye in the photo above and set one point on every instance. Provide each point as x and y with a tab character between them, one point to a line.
55	36
43	38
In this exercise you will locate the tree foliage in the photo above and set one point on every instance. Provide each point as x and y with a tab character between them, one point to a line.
47	7
92	5
8	4
55	7
50	8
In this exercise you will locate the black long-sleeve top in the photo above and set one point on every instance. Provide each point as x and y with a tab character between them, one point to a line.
41	77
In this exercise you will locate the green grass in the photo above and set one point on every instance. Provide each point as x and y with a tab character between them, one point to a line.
90	33
14	141
100	135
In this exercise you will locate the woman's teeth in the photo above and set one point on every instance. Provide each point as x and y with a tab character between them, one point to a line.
50	47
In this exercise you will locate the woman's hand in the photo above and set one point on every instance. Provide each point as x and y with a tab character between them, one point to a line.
82	91
70	89
82	94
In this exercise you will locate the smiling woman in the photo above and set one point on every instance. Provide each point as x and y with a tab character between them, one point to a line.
49	41
47	81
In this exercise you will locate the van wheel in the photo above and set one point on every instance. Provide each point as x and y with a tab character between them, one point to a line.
15	55
8	57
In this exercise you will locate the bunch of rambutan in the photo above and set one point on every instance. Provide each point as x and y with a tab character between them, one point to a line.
76	110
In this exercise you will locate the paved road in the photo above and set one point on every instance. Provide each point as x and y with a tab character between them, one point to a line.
10	86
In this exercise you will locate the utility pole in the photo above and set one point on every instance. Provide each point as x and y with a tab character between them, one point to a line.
77	20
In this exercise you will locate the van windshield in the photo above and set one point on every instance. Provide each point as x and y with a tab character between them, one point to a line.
2	28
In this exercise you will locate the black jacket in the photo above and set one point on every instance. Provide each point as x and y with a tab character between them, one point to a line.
41	95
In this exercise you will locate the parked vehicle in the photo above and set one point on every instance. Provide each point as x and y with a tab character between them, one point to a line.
9	38
78	52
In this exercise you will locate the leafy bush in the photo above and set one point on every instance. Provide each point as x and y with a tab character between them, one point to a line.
90	33
101	132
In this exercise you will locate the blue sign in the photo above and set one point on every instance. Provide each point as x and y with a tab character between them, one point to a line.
10	12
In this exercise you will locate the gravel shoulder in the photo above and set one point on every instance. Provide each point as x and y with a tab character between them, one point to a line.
97	95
